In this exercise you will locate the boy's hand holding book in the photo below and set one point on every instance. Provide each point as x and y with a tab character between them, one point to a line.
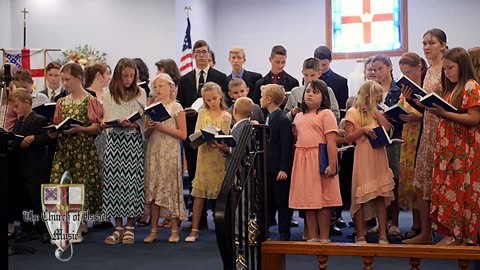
27	141
282	175
222	147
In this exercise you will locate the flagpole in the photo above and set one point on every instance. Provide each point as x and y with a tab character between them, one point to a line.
188	9
24	11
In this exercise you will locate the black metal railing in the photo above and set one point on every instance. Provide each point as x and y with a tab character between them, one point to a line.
240	213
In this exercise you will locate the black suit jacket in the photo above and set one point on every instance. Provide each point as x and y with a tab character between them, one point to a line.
280	145
63	93
32	163
187	93
288	83
339	86
250	79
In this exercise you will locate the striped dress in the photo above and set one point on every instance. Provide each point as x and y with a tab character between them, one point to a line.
123	162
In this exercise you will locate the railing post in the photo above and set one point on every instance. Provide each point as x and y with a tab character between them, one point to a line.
463	264
273	262
415	263
322	262
367	262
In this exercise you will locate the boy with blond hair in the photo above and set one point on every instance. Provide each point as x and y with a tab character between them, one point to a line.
237	59
279	157
237	88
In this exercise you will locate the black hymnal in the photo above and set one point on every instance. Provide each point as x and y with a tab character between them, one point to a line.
47	110
226	139
206	134
382	138
395	111
157	112
431	98
416	89
65	124
323	158
132	118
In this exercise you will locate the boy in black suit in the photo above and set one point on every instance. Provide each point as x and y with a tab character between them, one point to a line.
30	161
277	74
237	59
279	157
189	89
338	83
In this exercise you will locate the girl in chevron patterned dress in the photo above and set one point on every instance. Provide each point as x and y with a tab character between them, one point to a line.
76	150
163	166
123	161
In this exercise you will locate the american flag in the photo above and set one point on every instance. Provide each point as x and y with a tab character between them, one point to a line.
31	59
186	60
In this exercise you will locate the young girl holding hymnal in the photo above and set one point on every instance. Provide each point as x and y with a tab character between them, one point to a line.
163	166
372	179
210	162
312	190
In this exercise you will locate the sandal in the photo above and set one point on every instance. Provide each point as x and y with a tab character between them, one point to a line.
116	236
152	237
374	230
394	232
174	239
166	223
360	240
192	238
411	234
383	240
129	235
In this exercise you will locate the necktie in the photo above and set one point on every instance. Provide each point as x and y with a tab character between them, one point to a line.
201	82
52	97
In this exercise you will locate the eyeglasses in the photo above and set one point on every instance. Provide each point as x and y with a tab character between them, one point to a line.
201	52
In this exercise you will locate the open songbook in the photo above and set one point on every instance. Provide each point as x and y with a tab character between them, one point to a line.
65	124
132	118
209	134
383	139
431	98
416	89
196	106
47	110
157	112
394	111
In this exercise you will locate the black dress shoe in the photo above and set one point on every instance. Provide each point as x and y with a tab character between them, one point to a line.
340	223
334	230
284	237
293	223
351	224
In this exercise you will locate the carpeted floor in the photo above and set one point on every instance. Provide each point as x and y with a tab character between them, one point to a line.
94	254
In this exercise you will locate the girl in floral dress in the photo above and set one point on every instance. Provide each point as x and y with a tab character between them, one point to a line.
163	168
455	205
210	162
76	150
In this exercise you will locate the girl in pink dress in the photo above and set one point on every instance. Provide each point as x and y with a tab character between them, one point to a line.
372	179
311	190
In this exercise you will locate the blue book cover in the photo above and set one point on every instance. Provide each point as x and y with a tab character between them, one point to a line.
383	139
157	112
416	89
65	124
395	111
323	158
132	118
47	110
431	98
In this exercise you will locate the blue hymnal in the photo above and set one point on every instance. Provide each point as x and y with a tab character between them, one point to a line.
47	110
157	112
431	98
382	138
132	118
65	124
417	90
395	111
323	158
